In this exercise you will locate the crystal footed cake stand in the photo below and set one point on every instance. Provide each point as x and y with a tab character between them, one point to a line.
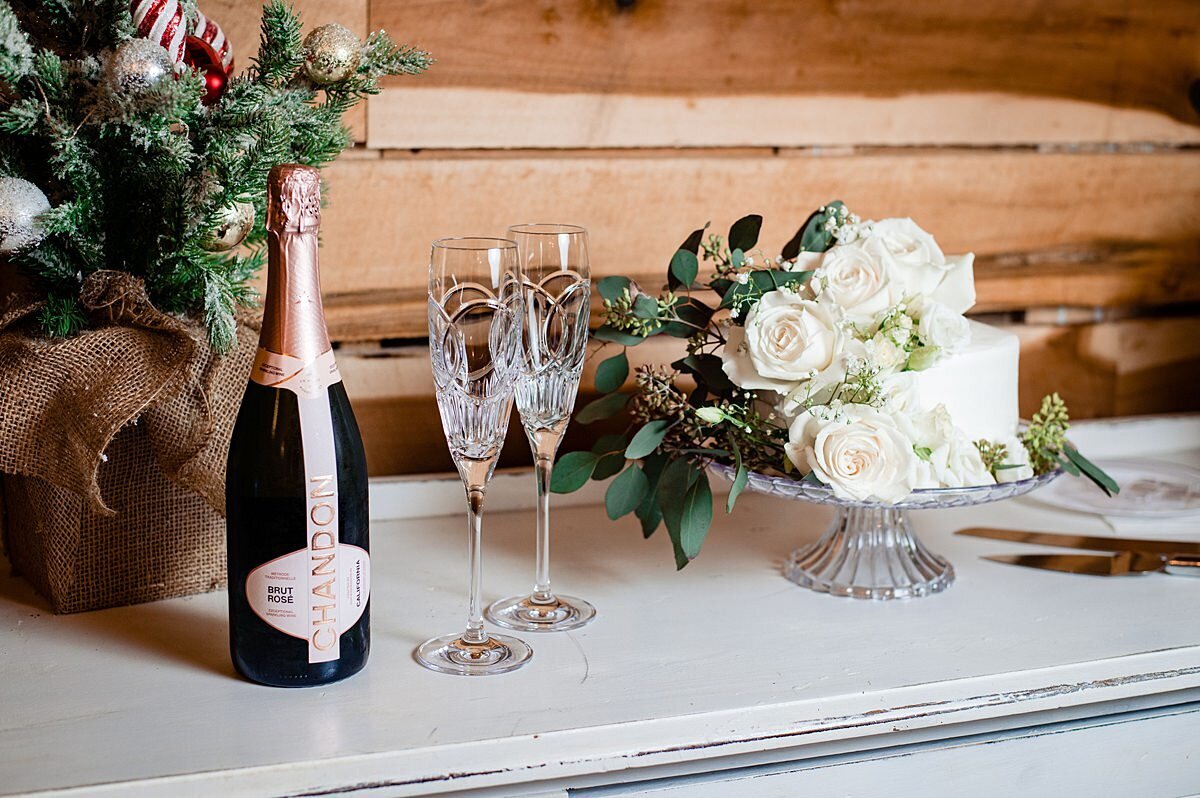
870	551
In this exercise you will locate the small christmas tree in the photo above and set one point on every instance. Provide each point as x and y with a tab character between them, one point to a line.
119	153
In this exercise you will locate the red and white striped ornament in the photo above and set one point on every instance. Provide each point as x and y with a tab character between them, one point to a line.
209	31
161	21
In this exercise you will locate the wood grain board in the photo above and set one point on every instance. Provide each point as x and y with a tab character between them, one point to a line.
581	73
1049	228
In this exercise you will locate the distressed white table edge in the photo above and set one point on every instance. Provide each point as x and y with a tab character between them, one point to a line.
732	738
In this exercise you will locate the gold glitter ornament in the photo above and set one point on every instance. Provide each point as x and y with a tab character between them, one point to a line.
234	224
331	54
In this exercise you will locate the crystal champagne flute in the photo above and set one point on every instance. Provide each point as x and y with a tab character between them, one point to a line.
557	285
475	347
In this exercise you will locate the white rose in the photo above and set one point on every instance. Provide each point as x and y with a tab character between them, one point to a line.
950	458
919	265
901	392
860	284
862	454
964	466
956	290
805	262
912	252
886	354
941	327
1016	460
787	339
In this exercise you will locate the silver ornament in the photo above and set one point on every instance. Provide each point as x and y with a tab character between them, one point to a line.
139	65
331	54
236	222
20	204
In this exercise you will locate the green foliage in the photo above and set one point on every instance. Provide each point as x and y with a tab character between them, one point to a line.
1045	439
612	373
992	454
138	182
1046	433
572	471
647	439
626	492
602	408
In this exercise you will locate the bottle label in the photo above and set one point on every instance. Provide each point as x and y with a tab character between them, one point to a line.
328	589
305	378
278	590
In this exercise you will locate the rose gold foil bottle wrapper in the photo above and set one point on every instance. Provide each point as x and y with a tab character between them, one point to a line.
293	316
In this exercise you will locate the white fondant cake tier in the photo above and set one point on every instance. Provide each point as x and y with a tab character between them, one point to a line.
978	385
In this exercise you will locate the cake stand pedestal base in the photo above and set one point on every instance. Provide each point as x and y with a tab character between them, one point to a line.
870	553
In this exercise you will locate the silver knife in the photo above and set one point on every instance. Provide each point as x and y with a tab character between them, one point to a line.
1088	542
1121	563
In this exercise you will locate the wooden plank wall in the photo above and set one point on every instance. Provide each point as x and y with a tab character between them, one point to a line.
1058	140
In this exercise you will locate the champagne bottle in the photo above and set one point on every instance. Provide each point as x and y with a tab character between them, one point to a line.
296	484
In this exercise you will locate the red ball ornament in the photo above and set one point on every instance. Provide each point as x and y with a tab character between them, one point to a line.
199	54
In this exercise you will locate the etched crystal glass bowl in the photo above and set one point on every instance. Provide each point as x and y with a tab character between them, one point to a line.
870	551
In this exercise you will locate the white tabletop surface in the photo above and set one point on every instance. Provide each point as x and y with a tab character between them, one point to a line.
724	658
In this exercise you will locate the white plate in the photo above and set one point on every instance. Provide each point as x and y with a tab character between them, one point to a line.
1149	489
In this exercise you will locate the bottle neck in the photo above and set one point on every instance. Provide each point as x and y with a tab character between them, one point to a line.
293	316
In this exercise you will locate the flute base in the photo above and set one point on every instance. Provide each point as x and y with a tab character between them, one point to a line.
451	654
526	614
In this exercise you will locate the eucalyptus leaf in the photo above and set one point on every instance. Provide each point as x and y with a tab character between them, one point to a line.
744	233
1092	471
608	465
626	492
1068	465
696	517
572	471
693	241
645	307
611	451
709	368
815	238
647	439
612	373
612	287
604	407
695	312
677	477
792	248
612	335
760	282
612	442
685	266
648	512
740	478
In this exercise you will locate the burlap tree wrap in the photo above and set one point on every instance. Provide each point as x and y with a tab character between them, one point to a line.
113	444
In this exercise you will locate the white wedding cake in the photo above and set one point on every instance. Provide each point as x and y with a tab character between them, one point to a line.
886	386
977	385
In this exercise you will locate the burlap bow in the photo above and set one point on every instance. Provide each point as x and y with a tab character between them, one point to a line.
62	401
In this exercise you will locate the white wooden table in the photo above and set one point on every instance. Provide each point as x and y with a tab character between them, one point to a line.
722	680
